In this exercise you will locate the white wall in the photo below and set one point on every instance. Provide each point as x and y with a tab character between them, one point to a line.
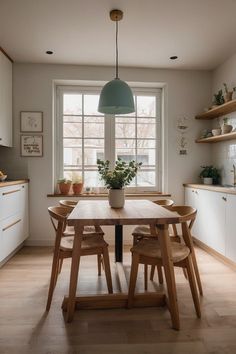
187	92
224	153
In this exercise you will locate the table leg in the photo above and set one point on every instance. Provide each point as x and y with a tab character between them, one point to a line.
164	238
74	272
118	243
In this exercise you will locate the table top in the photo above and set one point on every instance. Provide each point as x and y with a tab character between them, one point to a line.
135	212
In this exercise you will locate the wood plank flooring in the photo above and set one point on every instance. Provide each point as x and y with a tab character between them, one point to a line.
25	328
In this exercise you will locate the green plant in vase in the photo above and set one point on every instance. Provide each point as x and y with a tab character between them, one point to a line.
210	175
117	179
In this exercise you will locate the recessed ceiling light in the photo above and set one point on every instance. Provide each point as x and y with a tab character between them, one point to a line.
173	57
49	52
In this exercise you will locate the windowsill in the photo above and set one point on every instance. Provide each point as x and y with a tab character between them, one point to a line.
104	195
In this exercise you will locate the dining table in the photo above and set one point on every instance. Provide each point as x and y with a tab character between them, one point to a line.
134	212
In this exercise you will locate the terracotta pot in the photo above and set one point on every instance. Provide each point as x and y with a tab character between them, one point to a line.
64	188
228	96
116	198
77	188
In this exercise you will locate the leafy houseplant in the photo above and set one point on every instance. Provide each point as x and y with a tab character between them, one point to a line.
115	180
218	98
210	175
77	184
64	185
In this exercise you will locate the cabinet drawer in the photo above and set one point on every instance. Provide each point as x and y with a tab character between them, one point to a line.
11	234
10	200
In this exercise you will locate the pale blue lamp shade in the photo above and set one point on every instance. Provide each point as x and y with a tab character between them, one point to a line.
116	98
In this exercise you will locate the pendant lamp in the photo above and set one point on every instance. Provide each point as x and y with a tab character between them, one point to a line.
116	96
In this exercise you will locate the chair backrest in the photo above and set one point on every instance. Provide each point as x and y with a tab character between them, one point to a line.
187	218
58	216
164	202
69	204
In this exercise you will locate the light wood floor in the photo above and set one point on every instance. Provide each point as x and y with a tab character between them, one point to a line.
25	328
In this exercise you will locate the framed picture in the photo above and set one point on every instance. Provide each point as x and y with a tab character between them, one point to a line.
32	145
31	122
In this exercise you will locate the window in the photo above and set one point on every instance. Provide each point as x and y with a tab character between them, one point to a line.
84	135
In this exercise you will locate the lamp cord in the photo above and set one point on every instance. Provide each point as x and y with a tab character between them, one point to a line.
117	77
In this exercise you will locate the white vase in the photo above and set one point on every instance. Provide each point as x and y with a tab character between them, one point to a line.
116	198
207	180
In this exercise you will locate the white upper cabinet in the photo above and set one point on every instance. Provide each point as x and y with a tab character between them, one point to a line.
5	101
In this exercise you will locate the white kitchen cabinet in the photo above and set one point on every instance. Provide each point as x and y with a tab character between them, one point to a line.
209	226
215	223
14	221
231	227
5	101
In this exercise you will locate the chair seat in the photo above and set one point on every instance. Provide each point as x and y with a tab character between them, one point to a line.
151	248
86	244
141	230
70	231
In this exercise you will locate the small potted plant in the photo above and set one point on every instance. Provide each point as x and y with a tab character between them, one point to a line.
117	179
218	99
228	94
210	175
226	128
64	185
77	184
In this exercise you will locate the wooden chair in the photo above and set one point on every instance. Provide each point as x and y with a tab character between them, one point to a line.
177	237
143	231
93	244
148	251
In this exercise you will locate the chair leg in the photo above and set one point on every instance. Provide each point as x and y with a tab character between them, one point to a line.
133	279
152	272
196	271
145	277
185	273
107	269
60	265
53	280
160	275
99	257
193	286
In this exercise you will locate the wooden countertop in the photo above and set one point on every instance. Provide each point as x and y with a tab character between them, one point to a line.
13	183
213	188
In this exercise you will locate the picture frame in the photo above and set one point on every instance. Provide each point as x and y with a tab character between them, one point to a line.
31	122
31	145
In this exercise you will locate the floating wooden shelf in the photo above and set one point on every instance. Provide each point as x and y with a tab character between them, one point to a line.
221	110
215	139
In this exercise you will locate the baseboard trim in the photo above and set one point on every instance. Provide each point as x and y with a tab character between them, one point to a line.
214	253
12	254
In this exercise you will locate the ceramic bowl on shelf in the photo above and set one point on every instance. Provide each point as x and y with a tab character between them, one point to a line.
226	128
2	178
216	132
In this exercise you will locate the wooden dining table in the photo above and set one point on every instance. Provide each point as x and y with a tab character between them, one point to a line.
135	212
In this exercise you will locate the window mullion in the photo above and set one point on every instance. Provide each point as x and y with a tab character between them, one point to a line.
83	137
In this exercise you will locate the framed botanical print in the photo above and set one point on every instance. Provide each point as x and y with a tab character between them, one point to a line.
31	122
32	145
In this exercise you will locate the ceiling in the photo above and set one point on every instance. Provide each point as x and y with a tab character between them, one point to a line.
201	32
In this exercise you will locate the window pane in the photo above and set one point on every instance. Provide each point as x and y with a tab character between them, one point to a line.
72	156
125	143
92	179
69	173
146	130
94	143
146	106
146	178
145	144
91	155
126	154
125	130
147	157
72	119
94	127
91	104
73	130
72	104
72	142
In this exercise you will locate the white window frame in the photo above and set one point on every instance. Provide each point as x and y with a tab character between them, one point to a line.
109	131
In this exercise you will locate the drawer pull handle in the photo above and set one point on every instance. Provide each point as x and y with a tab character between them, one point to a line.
225	199
10	192
8	226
